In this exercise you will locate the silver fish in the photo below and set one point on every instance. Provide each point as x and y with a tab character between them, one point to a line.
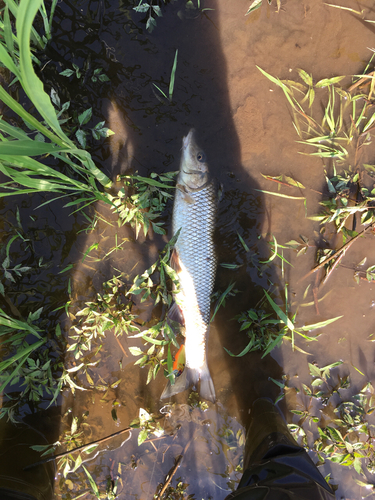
194	260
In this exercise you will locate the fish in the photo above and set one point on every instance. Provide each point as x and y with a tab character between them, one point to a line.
194	260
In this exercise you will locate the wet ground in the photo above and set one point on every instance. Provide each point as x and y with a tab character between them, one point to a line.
245	126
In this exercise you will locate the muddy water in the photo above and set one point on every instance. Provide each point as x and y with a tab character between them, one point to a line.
245	126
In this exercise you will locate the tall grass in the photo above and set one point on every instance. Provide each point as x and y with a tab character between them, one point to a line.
18	149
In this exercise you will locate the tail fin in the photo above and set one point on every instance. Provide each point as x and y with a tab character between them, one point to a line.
207	389
191	376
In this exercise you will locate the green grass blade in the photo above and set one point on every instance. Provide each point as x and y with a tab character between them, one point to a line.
31	120
274	252
221	299
274	344
283	317
321	324
92	483
24	353
32	85
281	195
246	248
173	75
242	353
28	148
253	6
14	132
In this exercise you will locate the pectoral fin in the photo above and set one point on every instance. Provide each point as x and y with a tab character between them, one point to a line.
175	314
185	195
174	261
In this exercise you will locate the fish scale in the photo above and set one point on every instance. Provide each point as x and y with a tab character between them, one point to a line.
195	246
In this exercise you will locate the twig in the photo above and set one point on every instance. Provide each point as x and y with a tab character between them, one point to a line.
59	455
174	469
361	80
337	262
119	343
170	476
342	249
315	295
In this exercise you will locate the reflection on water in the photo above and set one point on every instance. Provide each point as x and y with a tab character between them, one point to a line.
246	129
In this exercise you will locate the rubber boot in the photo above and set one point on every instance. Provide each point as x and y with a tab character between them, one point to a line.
275	467
267	430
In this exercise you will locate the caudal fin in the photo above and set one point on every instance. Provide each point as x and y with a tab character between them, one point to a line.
207	389
191	376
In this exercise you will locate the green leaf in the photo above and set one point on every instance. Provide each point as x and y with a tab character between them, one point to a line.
329	81
32	85
90	448
253	6
85	117
314	370
305	77
29	148
135	351
284	318
321	324
246	248
280	384
142	436
273	344
93	485
67	72
173	75
243	352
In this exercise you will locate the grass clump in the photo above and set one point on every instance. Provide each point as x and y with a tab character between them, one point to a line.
340	424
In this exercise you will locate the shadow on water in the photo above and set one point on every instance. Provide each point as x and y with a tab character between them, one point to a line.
149	131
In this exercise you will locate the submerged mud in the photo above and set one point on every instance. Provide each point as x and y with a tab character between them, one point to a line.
244	124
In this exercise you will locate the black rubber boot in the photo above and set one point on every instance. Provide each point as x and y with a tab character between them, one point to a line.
275	467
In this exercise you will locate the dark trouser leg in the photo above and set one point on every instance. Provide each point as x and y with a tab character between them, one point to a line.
275	467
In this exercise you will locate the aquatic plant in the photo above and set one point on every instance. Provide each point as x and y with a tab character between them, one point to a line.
342	430
18	148
152	9
266	333
339	139
258	3
147	202
111	311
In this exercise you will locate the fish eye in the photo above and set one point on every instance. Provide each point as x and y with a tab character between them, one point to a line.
201	157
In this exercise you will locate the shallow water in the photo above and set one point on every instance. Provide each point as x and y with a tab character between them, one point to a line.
245	126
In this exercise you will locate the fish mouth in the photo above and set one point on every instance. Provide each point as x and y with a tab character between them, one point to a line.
187	139
194	172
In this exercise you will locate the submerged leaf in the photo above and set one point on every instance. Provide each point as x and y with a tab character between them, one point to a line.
253	6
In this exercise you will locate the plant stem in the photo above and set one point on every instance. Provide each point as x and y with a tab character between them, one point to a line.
342	249
59	455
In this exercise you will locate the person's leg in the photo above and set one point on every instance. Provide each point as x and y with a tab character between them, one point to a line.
275	467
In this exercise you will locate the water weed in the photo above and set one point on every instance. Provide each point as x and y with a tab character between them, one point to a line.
258	3
266	333
340	425
147	202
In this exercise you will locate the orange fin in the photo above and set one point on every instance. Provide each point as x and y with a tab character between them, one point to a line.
179	360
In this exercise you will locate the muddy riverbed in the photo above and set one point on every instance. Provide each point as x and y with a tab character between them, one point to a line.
245	125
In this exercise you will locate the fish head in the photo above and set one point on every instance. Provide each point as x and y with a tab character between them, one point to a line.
193	167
